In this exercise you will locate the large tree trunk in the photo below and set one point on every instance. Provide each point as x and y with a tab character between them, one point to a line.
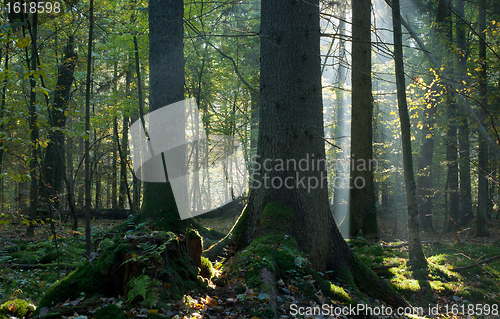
482	189
166	65
466	214
415	253
291	130
54	163
362	197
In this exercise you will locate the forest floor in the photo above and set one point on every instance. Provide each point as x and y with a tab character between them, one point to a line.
28	267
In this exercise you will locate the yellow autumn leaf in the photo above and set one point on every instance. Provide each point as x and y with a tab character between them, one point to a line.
153	310
23	43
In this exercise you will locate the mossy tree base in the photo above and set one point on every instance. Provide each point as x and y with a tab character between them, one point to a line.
275	249
163	256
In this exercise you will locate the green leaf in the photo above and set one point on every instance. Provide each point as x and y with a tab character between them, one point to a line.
23	43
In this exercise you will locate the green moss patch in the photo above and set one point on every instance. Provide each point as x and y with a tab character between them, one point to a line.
16	308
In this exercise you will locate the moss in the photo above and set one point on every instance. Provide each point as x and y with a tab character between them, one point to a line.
109	312
205	262
192	233
16	308
85	279
278	217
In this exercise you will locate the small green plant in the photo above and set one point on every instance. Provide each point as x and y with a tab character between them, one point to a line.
150	251
146	288
360	235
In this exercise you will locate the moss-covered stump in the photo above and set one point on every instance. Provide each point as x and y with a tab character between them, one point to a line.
145	269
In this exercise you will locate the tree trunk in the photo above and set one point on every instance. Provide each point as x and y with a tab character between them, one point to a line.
88	199
451	134
342	171
362	196
415	253
114	160
291	130
254	121
124	189
466	214
425	191
482	189
98	184
166	65
2	111
122	149
54	163
33	128
395	198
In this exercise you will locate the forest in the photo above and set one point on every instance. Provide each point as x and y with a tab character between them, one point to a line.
249	159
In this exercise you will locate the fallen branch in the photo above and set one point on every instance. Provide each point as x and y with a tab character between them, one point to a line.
486	261
476	263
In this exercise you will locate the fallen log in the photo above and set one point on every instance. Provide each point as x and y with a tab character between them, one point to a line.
485	261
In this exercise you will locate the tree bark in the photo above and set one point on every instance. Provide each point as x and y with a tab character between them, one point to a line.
415	253
482	189
451	134
33	123
2	111
166	65
466	214
88	199
54	163
362	196
114	160
425	191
